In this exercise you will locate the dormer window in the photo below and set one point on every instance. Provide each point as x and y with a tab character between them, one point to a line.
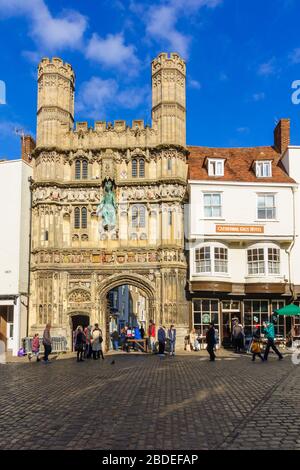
215	167
263	169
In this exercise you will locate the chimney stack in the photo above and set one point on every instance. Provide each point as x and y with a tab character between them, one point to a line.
282	135
27	147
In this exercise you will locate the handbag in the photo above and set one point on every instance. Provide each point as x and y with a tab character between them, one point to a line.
255	348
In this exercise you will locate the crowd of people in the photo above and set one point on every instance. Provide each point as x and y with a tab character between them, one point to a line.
88	341
266	331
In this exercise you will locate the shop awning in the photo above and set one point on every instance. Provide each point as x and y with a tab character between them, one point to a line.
289	311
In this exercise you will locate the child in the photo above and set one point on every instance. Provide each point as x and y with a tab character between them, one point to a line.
255	348
35	347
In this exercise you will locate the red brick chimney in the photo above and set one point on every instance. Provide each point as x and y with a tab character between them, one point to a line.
27	147
282	135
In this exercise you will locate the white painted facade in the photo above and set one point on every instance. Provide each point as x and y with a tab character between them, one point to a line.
291	162
239	208
14	249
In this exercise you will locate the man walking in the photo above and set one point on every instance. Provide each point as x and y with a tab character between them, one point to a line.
172	339
47	342
151	335
211	341
269	332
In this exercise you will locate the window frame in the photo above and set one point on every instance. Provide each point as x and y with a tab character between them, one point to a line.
210	260
138	216
212	167
213	206
267	272
262	164
266	208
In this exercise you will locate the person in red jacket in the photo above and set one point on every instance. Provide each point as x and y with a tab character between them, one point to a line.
35	347
151	335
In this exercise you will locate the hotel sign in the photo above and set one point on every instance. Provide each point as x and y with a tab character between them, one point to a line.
251	229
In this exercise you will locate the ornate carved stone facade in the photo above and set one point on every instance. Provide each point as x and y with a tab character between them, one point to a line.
76	259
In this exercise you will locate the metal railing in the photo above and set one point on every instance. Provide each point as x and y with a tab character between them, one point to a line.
59	344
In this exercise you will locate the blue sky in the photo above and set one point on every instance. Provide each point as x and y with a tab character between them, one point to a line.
242	57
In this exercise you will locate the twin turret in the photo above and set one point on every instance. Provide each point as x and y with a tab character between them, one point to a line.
55	111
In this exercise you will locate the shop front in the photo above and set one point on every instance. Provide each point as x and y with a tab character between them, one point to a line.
251	313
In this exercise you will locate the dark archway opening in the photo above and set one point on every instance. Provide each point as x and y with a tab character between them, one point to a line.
127	311
79	320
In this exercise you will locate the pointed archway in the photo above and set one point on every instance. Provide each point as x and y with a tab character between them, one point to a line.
118	280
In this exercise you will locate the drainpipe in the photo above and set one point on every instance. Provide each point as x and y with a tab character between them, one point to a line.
30	180
289	250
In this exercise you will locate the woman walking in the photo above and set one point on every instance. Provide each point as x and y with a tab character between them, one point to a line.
96	341
79	344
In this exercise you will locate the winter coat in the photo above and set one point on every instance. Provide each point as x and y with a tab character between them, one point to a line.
161	335
269	331
172	335
96	343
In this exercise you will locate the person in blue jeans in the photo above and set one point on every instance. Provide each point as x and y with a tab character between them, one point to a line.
115	340
269	332
172	339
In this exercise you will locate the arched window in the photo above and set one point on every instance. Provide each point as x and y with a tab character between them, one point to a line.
77	217
84	169
134	168
81	169
138	216
142	216
77	170
138	168
142	168
83	217
134	216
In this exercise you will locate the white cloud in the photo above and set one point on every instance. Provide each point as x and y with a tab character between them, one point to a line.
97	95
49	33
161	21
259	96
243	130
295	56
195	84
268	68
113	52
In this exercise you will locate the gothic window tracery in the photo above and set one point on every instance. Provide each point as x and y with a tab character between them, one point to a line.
138	168
80	217
81	169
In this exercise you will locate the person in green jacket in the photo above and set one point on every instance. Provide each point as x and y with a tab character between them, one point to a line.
269	332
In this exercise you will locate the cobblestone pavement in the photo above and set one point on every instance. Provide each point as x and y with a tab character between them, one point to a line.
144	402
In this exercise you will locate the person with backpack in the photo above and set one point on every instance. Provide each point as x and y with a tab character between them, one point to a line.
97	340
47	342
79	344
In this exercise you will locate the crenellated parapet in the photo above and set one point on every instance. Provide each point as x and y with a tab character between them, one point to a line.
165	61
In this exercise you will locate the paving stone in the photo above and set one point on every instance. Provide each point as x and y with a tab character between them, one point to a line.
142	402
